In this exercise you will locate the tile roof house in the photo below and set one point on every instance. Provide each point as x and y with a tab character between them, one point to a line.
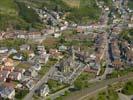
117	64
54	53
7	68
8	62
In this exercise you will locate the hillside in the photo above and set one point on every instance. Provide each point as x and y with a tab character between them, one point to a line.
15	14
78	10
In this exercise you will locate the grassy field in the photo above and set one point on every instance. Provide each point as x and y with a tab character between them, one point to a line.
8	6
130	4
72	3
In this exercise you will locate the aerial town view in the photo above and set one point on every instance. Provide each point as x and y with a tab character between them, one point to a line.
66	49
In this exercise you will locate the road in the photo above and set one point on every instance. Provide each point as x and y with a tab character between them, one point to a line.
123	97
80	95
39	83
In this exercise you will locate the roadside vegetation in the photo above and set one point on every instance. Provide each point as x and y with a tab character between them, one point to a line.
118	73
55	85
107	2
130	4
82	81
128	88
12	43
127	35
109	94
20	94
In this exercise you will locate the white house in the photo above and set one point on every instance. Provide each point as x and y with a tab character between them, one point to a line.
24	47
56	35
17	57
37	67
7	92
3	50
15	75
44	90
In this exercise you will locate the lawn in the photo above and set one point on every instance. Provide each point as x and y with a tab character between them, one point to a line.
72	3
50	42
24	65
82	80
46	67
87	11
128	88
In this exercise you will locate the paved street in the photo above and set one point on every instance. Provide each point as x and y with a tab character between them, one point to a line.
40	82
123	97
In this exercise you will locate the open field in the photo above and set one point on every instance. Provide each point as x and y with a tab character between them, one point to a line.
72	3
8	7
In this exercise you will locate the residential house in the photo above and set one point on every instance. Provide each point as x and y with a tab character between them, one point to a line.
21	34
20	70
8	68
41	49
18	57
8	62
30	84
15	76
31	54
1	67
33	35
117	64
44	58
62	48
24	47
56	35
2	79
31	72
13	51
37	67
3	50
7	92
44	90
4	74
80	30
54	53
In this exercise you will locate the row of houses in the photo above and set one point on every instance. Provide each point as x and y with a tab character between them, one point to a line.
114	52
